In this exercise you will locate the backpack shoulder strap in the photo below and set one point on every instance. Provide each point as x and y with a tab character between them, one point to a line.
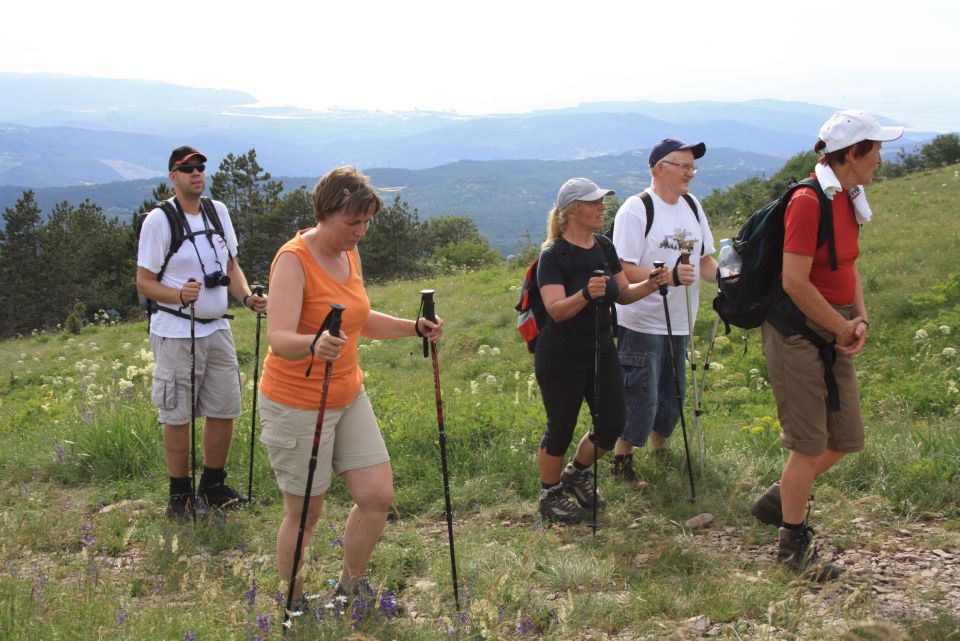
178	231
608	249
692	204
209	210
825	231
647	201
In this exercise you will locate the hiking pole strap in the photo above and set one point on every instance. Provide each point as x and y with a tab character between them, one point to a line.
428	311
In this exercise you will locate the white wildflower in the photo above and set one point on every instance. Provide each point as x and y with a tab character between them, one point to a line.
61	358
921	335
490	379
495	351
474	387
944	329
949	352
124	384
716	367
23	357
125	346
80	366
754	372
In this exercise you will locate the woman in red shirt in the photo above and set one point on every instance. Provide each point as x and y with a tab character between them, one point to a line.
832	301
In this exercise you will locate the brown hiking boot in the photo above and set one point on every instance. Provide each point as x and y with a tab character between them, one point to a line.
621	469
768	508
799	555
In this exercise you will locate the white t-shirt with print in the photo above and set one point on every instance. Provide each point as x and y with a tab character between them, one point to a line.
155	239
672	225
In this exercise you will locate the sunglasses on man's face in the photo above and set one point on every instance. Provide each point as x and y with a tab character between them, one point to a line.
188	169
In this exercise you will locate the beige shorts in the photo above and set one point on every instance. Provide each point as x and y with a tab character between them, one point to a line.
796	376
350	439
217	377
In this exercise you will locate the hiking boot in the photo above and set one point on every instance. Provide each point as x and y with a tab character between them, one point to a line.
180	505
796	552
555	505
621	469
220	495
579	483
767	509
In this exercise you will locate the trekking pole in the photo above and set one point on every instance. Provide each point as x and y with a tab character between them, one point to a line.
332	324
691	327
706	361
193	407
596	398
427	305
257	291
658	264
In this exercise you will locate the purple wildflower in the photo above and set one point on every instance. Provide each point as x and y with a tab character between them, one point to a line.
251	594
387	605
525	625
86	540
263	623
189	636
122	614
59	452
157	581
280	599
38	584
359	609
501	610
336	543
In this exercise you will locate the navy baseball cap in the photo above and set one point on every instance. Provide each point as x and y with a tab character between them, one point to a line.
670	145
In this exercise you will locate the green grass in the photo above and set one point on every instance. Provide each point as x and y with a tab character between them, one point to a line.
77	433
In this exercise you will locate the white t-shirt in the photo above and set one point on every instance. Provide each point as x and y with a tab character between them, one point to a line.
155	241
671	225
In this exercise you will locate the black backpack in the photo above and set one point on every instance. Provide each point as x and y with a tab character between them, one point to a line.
533	315
179	232
756	293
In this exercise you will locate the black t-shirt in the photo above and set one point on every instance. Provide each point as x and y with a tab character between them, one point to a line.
563	263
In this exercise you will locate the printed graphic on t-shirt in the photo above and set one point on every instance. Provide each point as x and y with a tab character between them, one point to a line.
680	241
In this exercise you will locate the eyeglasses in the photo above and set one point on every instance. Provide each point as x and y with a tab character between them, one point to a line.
188	169
683	166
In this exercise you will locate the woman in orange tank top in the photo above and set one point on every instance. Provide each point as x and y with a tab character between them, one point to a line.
318	267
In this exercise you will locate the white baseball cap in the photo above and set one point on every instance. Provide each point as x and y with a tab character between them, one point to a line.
850	126
580	189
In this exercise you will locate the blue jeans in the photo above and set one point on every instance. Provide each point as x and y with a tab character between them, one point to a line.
651	390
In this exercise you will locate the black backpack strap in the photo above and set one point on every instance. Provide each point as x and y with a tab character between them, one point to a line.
209	210
647	201
825	228
178	231
179	314
696	213
609	251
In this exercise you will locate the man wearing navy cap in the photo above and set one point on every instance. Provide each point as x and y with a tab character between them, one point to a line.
678	227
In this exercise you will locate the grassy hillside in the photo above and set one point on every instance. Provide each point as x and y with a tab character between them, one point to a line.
86	553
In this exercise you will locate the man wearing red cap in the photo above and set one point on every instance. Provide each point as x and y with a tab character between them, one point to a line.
198	275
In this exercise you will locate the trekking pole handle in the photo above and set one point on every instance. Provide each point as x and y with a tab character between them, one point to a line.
598	273
258	290
429	312
658	264
336	314
684	258
192	303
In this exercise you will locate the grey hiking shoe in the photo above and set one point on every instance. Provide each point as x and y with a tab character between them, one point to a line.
556	505
579	483
796	552
360	599
621	469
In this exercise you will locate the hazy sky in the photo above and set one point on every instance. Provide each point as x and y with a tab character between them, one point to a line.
899	59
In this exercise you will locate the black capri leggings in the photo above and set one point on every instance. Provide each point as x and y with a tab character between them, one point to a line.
564	368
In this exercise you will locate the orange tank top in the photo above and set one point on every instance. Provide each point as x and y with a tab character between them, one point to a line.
283	380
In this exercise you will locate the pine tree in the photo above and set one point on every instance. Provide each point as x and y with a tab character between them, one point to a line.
20	266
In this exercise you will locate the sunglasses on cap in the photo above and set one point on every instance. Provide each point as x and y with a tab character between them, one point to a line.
188	169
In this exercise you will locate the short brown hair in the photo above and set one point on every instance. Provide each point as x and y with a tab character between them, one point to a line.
839	156
344	188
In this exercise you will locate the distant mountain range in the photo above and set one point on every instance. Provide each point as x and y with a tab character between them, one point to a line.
71	138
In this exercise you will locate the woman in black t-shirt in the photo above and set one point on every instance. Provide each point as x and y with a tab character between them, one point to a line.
577	299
